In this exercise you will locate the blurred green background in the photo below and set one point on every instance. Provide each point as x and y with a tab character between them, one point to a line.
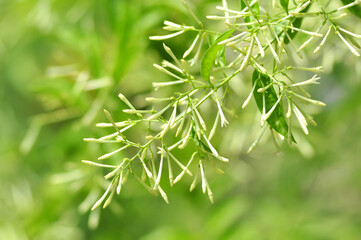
62	62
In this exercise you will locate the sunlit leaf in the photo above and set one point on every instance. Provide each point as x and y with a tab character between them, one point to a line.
211	55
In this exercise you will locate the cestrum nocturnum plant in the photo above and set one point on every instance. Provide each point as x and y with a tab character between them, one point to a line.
257	36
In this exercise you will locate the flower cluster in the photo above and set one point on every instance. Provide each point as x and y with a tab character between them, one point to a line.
253	39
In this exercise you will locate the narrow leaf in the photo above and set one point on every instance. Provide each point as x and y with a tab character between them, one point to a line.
211	54
296	22
284	4
199	142
355	10
277	119
255	10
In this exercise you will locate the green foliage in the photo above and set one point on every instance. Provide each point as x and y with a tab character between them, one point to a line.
284	4
354	8
267	102
254	12
297	23
211	54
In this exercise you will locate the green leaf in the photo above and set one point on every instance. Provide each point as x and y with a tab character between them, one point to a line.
355	10
199	142
284	4
255	10
277	119
211	54
296	22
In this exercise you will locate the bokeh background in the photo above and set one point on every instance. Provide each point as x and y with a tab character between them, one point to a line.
62	62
